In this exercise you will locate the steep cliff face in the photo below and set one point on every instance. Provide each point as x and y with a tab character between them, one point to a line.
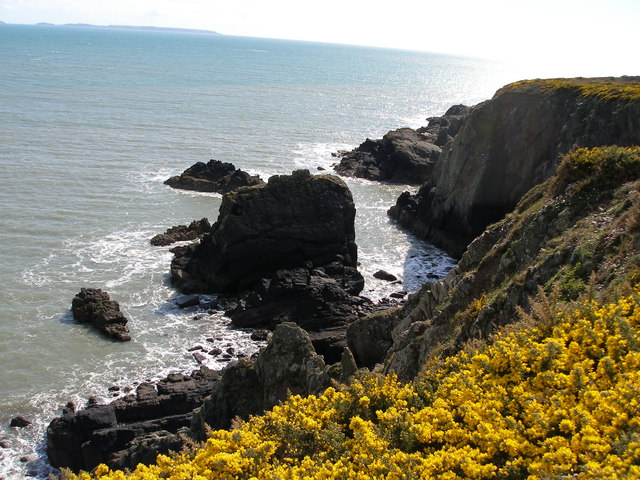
578	230
511	143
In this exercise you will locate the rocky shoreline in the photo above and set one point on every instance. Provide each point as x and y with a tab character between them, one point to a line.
283	256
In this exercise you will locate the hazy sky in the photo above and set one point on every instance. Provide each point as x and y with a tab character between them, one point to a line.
575	37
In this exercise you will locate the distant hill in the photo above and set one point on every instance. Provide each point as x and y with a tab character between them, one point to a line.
143	28
126	27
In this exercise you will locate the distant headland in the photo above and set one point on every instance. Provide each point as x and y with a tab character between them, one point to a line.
127	27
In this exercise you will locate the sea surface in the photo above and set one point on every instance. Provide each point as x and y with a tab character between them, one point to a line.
93	121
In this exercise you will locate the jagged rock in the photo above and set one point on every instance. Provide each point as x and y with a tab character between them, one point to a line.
441	130
506	146
369	338
285	250
182	233
288	365
404	155
401	156
94	306
213	176
131	429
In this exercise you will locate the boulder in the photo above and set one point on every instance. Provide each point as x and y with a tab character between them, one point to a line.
507	145
182	233
131	429
94	306
213	176
19	422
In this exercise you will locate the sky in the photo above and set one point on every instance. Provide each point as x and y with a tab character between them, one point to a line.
566	37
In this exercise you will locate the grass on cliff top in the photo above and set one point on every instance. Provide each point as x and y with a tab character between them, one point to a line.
556	398
609	88
600	166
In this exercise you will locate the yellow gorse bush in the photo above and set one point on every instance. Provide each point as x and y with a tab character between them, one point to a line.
558	401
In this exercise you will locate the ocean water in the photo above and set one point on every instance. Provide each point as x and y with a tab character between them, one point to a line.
93	121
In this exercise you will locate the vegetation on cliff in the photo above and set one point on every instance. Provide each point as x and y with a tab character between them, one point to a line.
606	88
553	395
553	401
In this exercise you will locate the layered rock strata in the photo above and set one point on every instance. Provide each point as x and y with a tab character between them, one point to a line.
94	306
213	176
404	155
132	429
509	144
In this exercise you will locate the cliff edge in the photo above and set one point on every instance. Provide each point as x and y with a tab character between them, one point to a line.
509	144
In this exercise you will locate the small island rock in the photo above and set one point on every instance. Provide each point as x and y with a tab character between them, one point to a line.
213	176
94	306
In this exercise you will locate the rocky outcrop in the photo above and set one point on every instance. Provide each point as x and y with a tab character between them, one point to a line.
578	230
285	250
404	155
509	144
213	176
132	429
94	306
158	418
182	233
441	130
289	365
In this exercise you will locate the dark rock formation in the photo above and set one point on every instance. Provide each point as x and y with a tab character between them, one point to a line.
132	429
506	146
286	250
384	275
441	130
401	156
404	155
214	176
288	365
136	428
94	306
182	233
19	422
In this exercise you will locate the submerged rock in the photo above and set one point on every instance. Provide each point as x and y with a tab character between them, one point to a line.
214	176
94	306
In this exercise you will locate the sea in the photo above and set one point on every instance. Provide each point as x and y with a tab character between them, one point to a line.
94	120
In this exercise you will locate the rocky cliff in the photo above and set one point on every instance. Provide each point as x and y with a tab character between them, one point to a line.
509	144
579	230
